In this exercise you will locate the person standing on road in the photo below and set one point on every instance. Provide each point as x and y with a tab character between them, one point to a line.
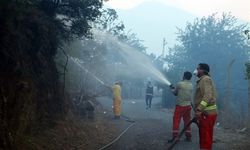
205	106
149	94
183	91
117	99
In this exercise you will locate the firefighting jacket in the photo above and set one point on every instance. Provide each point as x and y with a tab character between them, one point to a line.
184	91
205	95
116	91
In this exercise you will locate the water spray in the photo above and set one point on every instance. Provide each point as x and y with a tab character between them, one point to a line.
77	61
133	57
141	60
160	76
137	64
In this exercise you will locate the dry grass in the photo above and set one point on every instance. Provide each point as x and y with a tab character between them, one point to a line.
76	133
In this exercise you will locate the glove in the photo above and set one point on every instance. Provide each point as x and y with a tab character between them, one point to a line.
171	86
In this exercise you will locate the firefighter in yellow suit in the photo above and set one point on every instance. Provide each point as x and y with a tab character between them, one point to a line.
117	99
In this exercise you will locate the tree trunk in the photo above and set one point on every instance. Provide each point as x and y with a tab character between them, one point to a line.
228	87
247	64
248	117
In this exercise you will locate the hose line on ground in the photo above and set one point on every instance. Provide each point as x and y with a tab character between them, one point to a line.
123	132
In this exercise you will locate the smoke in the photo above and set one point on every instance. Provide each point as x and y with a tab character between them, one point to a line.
129	61
78	62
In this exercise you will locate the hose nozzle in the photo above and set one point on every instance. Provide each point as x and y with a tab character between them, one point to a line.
171	86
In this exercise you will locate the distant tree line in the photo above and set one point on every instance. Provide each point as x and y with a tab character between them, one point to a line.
220	42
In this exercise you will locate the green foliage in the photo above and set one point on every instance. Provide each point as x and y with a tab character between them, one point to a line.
97	57
247	34
213	36
135	42
31	32
71	17
110	23
247	73
213	40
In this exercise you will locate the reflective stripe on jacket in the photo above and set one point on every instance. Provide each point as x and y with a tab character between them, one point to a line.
205	95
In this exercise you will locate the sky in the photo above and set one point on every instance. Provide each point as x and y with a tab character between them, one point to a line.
239	8
182	11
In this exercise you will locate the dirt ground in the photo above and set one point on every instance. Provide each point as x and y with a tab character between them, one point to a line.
75	133
153	126
150	131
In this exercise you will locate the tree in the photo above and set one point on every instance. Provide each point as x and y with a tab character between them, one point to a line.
109	22
247	64
248	78
31	33
216	41
211	39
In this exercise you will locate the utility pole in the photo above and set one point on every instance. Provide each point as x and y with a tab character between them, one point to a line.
165	88
163	48
228	86
247	64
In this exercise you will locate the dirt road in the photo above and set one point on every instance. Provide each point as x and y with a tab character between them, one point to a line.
153	126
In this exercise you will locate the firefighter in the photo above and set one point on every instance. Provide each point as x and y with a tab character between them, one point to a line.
205	106
149	94
117	99
183	91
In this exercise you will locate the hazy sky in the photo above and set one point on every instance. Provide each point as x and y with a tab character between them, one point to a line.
239	8
153	20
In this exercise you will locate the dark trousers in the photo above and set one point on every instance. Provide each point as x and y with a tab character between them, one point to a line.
149	100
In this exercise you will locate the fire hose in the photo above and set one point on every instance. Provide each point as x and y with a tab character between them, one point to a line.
123	132
194	120
77	61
